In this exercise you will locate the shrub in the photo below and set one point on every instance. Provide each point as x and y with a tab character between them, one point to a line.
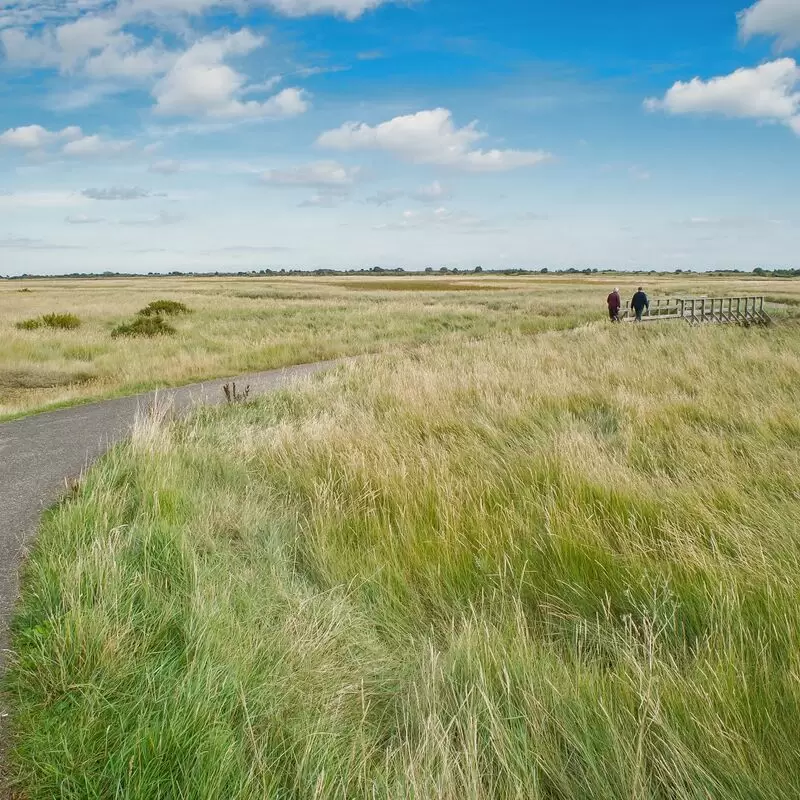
29	324
66	322
144	326
163	307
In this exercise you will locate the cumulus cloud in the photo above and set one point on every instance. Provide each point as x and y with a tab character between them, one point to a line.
778	18
96	146
94	45
117	193
328	175
766	92
35	137
201	83
430	137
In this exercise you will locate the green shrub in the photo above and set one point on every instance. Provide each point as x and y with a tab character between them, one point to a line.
164	307
66	322
144	326
29	324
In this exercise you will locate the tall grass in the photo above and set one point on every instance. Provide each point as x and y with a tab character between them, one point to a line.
248	324
556	567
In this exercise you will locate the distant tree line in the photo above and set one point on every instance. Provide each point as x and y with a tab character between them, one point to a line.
761	272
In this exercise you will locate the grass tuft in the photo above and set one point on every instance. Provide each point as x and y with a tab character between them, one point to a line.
65	322
144	327
166	307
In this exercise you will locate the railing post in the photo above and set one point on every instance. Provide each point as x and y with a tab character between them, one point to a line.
703	310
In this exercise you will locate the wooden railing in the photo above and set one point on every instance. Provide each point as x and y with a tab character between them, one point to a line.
698	310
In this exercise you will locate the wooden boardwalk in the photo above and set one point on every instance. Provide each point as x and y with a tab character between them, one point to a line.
700	310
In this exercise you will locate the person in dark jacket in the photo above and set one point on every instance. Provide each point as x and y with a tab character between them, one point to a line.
614	303
639	303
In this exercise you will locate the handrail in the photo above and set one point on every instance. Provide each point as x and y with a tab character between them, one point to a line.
741	310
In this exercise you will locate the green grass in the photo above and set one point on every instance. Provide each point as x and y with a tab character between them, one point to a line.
166	307
64	322
147	327
553	567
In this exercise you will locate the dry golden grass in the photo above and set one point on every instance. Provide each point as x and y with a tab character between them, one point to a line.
249	324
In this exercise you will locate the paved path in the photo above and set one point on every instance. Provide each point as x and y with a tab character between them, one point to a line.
39	453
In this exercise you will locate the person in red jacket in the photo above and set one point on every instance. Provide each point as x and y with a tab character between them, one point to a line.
614	304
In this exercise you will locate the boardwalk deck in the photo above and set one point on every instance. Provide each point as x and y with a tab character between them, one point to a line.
702	310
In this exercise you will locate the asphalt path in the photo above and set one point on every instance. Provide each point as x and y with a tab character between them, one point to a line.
41	454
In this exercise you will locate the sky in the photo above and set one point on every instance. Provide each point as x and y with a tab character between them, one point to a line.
160	135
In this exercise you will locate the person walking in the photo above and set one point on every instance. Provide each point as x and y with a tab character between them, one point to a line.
639	303
614	303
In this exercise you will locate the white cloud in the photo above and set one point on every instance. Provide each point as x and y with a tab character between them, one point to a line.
38	141
94	45
328	175
779	18
290	102
766	92
35	137
350	9
430	137
200	83
96	146
433	193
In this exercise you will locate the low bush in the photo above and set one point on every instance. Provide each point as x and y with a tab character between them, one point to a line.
66	322
29	324
166	307
144	326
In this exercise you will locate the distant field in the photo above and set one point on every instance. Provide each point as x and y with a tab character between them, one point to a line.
493	565
240	325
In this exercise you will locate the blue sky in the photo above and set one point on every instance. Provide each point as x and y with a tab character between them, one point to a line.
152	135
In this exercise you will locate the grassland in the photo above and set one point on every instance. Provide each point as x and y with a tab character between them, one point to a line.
553	566
241	324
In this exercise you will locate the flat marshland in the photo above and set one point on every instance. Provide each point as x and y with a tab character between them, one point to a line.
240	325
531	556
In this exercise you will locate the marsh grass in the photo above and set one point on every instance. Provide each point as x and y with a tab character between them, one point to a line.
559	567
144	326
166	307
61	321
247	324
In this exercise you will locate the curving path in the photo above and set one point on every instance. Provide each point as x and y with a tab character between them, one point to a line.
38	454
